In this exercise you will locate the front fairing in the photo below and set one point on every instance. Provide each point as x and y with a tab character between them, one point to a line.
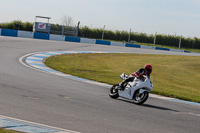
137	84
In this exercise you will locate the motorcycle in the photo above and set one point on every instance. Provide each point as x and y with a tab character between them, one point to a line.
137	91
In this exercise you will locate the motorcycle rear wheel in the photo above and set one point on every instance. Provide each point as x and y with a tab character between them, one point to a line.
114	91
140	98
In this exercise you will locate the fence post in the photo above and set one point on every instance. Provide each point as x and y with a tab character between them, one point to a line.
180	43
155	39
62	29
129	37
77	29
103	32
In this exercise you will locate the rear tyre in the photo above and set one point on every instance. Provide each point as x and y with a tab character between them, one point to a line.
114	91
140	98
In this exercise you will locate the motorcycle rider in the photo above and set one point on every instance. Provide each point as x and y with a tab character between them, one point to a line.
139	73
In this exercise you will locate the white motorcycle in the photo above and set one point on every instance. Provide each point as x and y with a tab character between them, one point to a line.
137	91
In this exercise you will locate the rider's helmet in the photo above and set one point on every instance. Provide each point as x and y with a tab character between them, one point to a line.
148	68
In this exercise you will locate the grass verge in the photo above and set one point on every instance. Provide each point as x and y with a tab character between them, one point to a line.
174	76
8	131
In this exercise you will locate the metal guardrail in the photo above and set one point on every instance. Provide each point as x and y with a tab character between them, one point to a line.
63	30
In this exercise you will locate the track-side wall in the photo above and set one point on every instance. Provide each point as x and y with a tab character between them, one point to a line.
45	36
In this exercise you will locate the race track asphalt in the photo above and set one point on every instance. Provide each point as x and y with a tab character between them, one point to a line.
43	98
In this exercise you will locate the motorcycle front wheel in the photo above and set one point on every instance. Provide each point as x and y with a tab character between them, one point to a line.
114	91
140	98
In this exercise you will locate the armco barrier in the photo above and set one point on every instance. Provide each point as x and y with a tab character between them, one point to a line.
159	48
72	39
8	32
57	37
103	42
146	47
117	44
133	45
36	35
187	51
41	36
176	50
87	40
25	34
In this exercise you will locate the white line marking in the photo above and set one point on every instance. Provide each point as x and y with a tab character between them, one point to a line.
34	58
43	55
34	62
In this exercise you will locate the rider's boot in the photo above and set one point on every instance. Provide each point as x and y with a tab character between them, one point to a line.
122	86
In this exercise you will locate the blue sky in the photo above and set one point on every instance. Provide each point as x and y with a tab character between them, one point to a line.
174	17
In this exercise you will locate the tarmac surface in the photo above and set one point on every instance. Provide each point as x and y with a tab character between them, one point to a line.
52	100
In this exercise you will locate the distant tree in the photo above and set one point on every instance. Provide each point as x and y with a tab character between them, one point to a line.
67	20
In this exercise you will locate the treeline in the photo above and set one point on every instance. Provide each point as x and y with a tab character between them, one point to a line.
165	40
18	25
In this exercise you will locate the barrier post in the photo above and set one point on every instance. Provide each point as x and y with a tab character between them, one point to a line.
103	32
154	44
180	43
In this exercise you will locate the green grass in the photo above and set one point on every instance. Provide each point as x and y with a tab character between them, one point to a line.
8	131
174	76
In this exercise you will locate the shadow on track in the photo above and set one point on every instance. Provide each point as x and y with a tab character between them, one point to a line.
158	107
149	106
